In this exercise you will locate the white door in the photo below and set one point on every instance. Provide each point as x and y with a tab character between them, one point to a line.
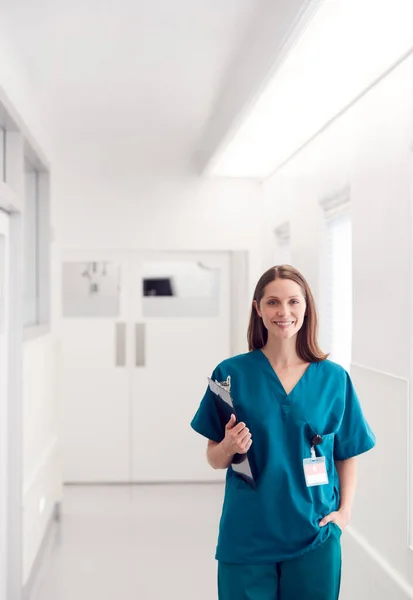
94	379
135	366
4	371
181	331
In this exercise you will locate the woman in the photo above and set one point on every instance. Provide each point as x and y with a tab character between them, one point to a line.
298	417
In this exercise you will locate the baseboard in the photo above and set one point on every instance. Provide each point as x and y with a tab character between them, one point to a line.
376	579
34	579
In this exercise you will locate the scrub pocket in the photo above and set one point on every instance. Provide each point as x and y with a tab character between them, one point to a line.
325	497
336	530
327	449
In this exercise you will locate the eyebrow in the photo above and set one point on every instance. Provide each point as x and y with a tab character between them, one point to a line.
276	297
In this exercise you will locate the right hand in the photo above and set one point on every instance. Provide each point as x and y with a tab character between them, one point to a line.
237	437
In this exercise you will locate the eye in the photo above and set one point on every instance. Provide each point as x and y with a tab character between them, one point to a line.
272	301
295	301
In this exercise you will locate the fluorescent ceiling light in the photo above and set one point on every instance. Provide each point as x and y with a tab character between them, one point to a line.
347	46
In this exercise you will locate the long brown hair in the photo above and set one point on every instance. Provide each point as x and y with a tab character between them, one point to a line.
307	344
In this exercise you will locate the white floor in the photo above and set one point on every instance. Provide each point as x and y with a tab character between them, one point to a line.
135	543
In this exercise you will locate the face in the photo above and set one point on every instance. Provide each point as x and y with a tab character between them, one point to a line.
282	308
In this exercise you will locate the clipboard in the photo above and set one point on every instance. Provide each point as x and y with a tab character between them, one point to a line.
225	406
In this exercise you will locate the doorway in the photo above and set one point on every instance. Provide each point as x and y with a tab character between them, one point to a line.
140	333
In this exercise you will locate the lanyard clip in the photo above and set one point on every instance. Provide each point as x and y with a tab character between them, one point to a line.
315	441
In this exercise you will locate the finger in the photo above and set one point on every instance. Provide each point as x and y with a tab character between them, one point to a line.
245	447
241	434
243	444
231	422
327	520
238	428
244	436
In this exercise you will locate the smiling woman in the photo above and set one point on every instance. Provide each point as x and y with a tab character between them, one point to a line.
298	417
283	298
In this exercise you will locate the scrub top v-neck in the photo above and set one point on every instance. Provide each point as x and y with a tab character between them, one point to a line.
280	519
279	389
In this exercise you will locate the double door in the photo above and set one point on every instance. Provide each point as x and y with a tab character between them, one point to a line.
140	332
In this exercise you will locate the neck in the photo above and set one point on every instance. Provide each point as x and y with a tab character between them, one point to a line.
282	353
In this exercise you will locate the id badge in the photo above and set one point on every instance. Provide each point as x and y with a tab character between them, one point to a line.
315	471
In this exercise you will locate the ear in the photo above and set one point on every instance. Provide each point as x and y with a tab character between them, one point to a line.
255	303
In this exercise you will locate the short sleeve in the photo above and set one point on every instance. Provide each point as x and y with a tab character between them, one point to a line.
209	419
354	435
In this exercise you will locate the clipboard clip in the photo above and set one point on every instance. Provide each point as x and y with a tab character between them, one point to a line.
225	384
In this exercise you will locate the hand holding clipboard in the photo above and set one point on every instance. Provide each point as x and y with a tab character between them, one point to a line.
240	463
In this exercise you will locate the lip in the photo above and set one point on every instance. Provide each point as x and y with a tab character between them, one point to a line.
283	320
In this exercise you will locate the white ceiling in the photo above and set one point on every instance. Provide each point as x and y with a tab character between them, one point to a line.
127	81
322	77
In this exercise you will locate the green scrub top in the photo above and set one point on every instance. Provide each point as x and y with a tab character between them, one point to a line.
279	520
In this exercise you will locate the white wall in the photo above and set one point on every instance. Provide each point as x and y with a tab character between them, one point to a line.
368	149
100	207
15	81
95	209
41	471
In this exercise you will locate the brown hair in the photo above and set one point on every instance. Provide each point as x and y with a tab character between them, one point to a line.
307	344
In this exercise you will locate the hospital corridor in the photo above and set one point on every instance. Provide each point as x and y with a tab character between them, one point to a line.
206	300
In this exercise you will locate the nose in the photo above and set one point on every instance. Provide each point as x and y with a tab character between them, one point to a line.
283	310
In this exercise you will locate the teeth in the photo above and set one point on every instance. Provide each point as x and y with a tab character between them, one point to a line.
284	322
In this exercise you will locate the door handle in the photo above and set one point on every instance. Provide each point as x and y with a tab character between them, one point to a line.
120	344
139	344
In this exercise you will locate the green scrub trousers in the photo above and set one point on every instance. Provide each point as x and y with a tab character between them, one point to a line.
315	575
